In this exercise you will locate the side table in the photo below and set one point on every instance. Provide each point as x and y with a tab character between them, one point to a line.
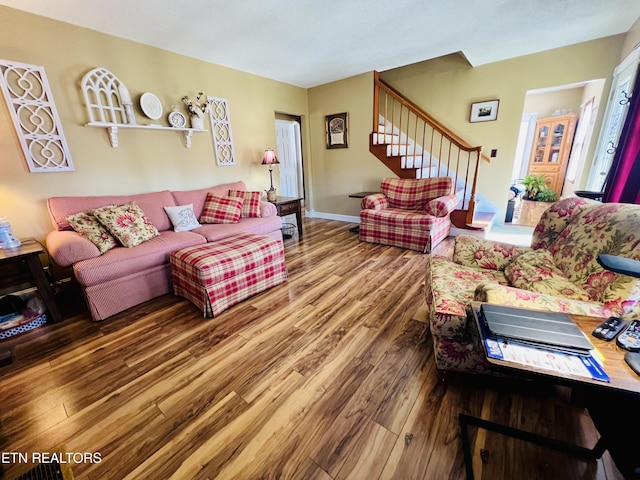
356	229
26	261
289	206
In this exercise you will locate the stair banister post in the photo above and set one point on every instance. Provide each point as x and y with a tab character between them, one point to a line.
376	101
472	198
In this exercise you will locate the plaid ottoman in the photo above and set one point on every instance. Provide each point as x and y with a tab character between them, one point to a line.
220	274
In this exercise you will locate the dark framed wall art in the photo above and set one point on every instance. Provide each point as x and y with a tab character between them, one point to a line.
336	130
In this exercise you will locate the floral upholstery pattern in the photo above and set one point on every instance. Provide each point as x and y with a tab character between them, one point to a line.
408	213
480	253
127	223
559	272
87	225
535	271
516	297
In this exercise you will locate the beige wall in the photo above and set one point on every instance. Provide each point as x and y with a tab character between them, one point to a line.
445	87
545	104
631	39
338	172
145	160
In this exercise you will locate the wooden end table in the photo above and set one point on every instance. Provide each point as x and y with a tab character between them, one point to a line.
289	206
25	262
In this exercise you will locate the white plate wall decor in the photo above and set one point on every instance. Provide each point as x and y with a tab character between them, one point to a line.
151	106
35	117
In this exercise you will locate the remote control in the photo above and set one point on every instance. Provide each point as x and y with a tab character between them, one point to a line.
630	338
633	360
610	328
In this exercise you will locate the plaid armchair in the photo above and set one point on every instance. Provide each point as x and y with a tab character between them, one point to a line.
409	213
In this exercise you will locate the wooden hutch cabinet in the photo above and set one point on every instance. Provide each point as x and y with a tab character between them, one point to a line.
551	149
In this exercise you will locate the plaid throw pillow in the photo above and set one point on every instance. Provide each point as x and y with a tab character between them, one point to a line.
221	209
251	206
87	225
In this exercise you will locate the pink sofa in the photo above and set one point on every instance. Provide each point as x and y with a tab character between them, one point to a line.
124	277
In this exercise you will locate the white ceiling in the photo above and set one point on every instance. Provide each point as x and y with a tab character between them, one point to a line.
312	42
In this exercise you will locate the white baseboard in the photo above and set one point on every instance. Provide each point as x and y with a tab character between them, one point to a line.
332	216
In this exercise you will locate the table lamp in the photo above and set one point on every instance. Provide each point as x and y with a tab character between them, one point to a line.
7	240
269	158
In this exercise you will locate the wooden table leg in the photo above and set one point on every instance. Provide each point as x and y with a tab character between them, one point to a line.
37	273
299	219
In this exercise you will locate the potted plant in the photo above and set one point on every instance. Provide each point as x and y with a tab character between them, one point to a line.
536	189
537	198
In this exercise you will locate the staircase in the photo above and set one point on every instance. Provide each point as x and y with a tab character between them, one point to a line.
412	144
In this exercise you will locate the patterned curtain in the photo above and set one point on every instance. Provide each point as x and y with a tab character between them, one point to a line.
623	181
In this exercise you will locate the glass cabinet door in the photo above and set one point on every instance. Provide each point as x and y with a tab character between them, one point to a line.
556	143
541	144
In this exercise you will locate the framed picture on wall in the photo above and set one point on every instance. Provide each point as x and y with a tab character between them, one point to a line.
336	130
484	111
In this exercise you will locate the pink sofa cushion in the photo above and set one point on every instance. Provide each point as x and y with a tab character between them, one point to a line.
121	261
152	204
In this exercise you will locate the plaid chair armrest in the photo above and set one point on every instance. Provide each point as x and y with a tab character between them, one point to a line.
442	206
480	253
377	201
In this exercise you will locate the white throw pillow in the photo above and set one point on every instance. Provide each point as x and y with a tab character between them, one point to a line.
182	217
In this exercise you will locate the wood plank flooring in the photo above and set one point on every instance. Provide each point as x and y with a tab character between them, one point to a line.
328	376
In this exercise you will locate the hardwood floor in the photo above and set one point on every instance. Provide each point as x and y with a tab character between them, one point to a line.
328	376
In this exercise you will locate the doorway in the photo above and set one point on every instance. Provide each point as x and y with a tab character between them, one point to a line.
554	103
289	151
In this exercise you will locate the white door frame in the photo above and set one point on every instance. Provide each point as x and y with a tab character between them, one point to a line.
613	121
293	153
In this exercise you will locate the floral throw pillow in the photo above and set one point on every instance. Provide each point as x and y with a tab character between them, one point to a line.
182	218
221	209
87	225
127	223
536	272
251	206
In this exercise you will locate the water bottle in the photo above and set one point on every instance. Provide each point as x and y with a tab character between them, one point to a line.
7	240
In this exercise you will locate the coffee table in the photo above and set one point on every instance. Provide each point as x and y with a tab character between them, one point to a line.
623	381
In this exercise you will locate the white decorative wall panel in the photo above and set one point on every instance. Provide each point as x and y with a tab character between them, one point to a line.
35	118
221	131
102	92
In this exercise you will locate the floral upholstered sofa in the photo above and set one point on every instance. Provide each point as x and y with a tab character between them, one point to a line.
558	272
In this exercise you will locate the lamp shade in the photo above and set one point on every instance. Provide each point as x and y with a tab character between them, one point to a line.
269	157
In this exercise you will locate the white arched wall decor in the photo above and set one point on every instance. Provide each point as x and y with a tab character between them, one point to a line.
109	106
35	118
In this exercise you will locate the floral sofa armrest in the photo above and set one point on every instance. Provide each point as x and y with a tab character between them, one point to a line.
480	253
442	206
516	297
377	201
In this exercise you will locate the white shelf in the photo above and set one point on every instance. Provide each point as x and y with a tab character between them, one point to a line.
112	129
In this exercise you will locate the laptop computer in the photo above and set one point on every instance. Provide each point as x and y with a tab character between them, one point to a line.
550	329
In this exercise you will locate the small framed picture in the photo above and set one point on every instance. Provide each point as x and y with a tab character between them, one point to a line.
336	127
484	111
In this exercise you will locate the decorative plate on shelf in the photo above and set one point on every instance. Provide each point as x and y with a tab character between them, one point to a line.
151	106
177	119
